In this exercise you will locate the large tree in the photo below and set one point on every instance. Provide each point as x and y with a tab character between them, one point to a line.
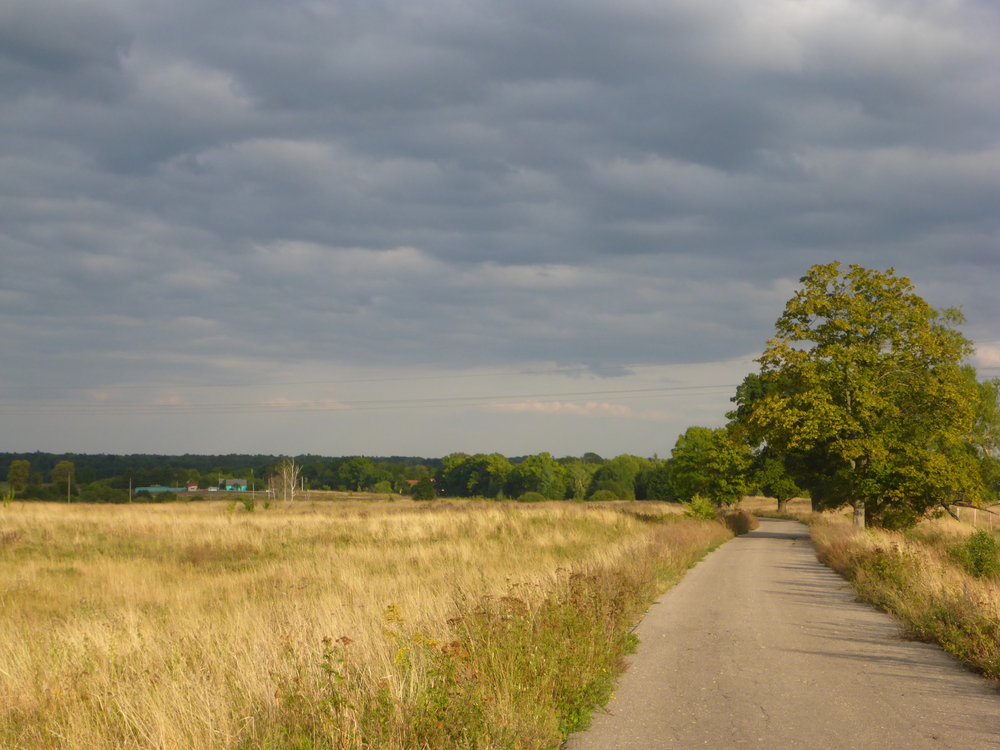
618	475
867	379
483	475
18	474
63	472
711	463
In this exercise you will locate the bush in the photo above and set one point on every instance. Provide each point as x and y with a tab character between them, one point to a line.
382	488
700	507
603	496
739	521
532	497
618	489
978	555
424	489
102	492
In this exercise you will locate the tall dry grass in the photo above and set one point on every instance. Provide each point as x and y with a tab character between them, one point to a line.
318	625
923	578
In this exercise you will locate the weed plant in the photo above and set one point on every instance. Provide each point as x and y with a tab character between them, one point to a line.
940	590
979	554
700	506
738	520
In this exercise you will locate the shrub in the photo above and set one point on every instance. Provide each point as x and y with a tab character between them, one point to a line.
978	555
739	521
383	488
603	496
424	489
618	489
101	492
249	504
699	507
532	497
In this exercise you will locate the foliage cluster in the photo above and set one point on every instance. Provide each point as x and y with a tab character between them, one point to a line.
864	398
703	461
979	554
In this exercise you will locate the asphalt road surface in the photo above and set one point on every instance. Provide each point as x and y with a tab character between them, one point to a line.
762	646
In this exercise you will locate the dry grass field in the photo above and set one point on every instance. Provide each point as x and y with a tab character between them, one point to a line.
322	624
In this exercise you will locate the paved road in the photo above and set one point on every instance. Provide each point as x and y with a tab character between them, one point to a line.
760	645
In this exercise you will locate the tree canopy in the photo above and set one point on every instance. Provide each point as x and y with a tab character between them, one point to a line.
17	475
865	381
710	463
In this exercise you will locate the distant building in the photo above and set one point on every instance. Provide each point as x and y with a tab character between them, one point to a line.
155	489
233	485
192	486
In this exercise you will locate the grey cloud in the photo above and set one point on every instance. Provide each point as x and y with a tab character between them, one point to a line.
69	49
196	189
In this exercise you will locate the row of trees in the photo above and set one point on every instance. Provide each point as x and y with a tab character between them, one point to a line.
168	471
347	473
702	461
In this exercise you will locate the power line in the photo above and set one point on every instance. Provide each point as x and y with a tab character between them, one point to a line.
109	409
569	370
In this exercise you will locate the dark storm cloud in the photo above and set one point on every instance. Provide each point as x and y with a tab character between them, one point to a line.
193	188
65	49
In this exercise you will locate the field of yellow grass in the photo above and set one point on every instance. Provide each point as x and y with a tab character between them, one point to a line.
322	624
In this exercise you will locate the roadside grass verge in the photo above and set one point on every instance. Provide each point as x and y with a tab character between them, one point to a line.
521	670
323	625
938	583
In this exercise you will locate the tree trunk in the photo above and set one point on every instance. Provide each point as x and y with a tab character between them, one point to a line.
859	513
782	505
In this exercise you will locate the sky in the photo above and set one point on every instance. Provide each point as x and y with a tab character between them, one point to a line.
380	227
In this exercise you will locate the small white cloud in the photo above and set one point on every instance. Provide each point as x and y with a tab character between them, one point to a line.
987	356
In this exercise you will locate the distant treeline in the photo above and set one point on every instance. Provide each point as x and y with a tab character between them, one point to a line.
114	478
108	478
92	467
